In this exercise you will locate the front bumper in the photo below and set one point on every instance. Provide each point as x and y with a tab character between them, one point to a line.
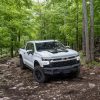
61	70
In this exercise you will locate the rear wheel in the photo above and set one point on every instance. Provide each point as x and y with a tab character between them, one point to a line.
39	74
22	65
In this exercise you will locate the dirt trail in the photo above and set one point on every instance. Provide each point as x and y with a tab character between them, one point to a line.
17	84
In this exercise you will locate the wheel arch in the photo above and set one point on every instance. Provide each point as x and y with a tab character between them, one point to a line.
20	56
36	63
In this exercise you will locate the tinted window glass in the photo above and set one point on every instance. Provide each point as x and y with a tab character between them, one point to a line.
30	46
49	46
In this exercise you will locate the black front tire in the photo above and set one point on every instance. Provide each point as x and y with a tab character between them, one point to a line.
22	65
39	74
75	74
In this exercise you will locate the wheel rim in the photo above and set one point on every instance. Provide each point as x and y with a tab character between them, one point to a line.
38	75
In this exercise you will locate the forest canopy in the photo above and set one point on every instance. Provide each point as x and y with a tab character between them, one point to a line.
23	20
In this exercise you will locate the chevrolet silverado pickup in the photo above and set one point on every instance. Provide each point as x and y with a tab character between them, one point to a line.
49	57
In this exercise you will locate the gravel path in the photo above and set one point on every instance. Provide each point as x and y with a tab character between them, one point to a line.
17	84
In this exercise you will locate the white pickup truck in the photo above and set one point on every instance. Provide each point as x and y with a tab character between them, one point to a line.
49	57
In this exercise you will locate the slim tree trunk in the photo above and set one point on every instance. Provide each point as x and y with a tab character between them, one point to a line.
77	17
91	30
1	51
19	37
11	48
83	38
86	31
64	27
64	33
40	15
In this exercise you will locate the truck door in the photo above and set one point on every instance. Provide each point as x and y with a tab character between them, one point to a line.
29	54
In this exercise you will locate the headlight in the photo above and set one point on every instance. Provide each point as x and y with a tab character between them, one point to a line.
45	59
78	57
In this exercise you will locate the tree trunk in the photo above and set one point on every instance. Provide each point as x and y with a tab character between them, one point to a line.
77	36
83	38
40	15
86	31
11	48
19	37
1	51
64	33
91	30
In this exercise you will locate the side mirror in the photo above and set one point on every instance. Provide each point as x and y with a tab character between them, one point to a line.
68	47
30	52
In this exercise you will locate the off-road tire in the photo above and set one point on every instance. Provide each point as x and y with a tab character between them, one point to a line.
75	74
39	75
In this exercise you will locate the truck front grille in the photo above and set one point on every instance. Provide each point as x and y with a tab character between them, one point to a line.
63	63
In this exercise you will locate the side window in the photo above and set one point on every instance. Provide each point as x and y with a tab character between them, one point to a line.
30	46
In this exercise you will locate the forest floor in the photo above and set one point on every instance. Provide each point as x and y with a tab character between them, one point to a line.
17	84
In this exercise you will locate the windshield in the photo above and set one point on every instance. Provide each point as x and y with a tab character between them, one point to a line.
47	46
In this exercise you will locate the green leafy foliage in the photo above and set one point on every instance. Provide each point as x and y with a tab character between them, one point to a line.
23	20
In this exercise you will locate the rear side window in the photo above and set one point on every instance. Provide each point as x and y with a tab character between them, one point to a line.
30	46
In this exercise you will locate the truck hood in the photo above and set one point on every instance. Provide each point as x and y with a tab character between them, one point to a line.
67	53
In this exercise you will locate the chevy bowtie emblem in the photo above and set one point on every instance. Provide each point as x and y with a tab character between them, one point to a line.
65	59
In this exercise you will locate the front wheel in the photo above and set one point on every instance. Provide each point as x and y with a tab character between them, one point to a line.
39	74
75	74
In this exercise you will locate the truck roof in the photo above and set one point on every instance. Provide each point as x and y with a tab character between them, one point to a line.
39	41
